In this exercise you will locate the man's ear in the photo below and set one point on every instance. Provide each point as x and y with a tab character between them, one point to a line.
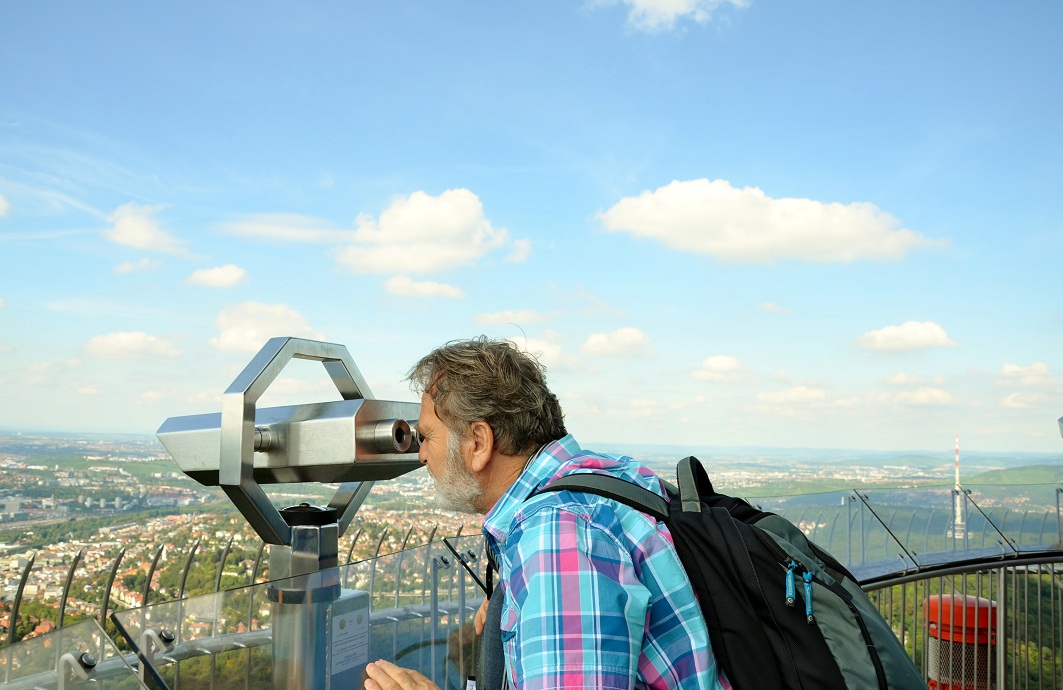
482	438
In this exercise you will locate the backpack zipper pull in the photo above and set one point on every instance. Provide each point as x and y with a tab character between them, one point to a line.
808	597
790	594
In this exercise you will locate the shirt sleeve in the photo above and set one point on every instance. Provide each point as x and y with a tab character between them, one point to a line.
575	611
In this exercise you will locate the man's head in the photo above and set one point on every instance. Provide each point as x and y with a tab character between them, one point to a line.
491	381
492	400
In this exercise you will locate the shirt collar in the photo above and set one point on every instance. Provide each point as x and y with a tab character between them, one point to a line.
541	468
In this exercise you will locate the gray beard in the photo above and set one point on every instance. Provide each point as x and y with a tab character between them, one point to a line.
456	489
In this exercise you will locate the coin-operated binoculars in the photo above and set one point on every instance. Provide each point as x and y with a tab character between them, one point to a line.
353	442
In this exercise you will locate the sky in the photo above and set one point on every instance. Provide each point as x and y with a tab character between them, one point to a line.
715	222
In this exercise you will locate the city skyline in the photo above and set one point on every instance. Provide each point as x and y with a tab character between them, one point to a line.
722	222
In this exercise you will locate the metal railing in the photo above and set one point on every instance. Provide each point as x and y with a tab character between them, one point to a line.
905	546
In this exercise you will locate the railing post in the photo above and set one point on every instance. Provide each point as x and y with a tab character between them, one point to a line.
848	530
438	563
863	530
151	573
372	565
217	588
66	587
258	562
13	620
107	590
1059	516
350	551
926	534
184	574
181	606
221	564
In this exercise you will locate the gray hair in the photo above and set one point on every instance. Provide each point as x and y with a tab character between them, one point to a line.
492	381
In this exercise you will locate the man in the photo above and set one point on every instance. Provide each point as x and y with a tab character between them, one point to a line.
594	593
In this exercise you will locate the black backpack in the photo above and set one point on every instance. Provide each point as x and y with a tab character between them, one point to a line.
768	594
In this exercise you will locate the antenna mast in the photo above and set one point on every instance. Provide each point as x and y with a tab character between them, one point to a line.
959	517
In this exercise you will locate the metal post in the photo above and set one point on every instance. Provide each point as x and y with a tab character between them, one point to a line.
184	575
258	562
66	587
908	531
217	588
398	580
886	540
428	555
13	620
926	534
848	530
439	563
372	565
181	606
221	564
350	551
833	524
863	532
1059	515
107	590
151	573
1041	531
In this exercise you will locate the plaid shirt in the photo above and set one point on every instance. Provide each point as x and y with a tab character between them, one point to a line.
594	593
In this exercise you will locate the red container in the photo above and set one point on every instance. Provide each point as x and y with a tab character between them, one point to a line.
961	642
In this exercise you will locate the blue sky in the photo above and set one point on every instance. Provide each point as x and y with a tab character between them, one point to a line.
717	222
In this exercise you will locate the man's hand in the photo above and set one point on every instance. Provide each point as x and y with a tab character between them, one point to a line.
480	618
384	675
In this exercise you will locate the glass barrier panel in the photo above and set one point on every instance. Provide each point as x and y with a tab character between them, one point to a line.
414	608
882	530
75	656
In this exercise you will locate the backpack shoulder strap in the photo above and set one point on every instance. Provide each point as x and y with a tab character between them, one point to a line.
608	486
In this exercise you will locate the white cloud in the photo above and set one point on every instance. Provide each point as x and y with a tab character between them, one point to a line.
1034	375
773	308
902	379
644	408
623	342
402	285
246	327
547	349
1022	401
519	317
720	368
520	252
154	395
912	335
226	276
2	303
712	217
145	264
792	396
662	15
924	395
4	206
87	390
129	345
134	226
288	227
421	233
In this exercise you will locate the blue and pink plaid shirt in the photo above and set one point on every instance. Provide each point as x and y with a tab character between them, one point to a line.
595	595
